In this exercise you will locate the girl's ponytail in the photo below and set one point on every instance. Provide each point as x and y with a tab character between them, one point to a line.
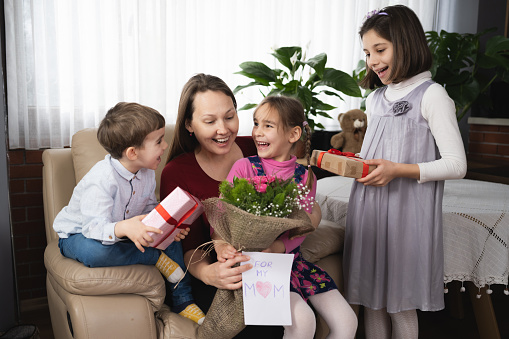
311	176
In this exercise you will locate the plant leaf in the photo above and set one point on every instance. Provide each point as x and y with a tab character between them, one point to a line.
241	87
318	63
284	54
247	106
257	71
340	81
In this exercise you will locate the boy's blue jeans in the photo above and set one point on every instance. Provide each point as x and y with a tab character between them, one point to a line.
92	253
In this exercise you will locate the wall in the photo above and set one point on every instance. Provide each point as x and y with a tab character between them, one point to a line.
489	139
28	222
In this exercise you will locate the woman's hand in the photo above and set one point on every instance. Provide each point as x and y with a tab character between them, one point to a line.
387	170
224	275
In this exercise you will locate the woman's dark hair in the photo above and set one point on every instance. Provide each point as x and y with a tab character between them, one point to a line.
411	54
199	83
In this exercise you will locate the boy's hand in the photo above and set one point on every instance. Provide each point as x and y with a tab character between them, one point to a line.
225	251
182	234
276	247
137	231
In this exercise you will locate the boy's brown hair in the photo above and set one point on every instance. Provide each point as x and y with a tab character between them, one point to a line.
127	125
411	54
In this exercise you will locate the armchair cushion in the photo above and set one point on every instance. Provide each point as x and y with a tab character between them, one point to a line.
86	151
75	278
327	239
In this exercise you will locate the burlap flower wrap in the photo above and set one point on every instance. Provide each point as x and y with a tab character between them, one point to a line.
246	232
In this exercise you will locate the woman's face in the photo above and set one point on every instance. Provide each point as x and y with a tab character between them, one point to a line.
215	122
379	54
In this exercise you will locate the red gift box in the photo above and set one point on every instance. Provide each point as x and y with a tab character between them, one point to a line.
177	210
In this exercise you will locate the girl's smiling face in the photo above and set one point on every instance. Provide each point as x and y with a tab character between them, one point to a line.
379	55
271	139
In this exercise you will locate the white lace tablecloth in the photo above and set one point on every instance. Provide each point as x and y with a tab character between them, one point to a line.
476	226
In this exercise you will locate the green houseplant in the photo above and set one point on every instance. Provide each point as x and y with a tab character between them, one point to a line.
465	69
300	78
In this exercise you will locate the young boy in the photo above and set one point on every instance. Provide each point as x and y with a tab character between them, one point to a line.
108	204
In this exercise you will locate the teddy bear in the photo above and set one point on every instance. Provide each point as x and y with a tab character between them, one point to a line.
353	125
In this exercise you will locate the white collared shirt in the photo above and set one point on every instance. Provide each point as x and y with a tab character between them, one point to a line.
108	193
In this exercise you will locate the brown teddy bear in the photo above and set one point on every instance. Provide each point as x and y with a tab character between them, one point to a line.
353	125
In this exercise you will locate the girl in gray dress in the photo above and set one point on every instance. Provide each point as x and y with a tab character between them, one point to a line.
393	256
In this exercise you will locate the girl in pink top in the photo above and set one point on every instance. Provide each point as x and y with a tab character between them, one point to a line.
278	125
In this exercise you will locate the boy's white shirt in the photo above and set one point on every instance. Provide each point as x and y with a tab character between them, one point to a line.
439	111
107	194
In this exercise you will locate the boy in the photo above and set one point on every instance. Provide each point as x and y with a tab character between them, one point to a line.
108	204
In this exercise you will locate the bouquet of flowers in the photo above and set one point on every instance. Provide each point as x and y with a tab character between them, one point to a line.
264	195
250	215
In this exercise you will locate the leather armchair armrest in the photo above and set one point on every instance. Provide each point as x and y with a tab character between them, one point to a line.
58	184
75	278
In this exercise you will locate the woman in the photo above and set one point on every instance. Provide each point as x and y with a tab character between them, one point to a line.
205	147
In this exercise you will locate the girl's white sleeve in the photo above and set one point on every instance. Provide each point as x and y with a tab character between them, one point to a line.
439	110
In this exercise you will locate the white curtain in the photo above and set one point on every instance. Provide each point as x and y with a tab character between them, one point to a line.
69	61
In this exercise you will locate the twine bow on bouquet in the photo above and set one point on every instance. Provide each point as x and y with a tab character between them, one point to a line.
250	215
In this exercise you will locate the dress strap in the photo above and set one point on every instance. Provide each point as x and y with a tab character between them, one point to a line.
256	165
299	173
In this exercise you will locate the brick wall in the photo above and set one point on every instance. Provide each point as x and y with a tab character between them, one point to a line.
25	171
489	142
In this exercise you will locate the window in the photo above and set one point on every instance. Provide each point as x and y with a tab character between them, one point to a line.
69	61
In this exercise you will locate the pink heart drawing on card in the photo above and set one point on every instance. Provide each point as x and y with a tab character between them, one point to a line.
263	288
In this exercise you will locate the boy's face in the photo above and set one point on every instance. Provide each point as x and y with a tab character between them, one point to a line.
149	154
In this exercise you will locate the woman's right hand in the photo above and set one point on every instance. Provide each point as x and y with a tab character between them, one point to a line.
223	275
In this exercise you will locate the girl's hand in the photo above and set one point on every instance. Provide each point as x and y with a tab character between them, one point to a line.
225	251
224	275
182	234
276	247
387	170
137	231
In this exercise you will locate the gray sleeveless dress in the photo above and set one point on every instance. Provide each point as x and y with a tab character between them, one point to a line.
393	256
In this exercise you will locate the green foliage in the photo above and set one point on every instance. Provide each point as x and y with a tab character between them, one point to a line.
268	197
290	81
458	60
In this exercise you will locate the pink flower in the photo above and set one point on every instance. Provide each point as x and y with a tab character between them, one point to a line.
309	286
301	265
262	188
319	277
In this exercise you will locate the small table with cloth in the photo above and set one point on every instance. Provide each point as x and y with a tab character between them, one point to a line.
475	230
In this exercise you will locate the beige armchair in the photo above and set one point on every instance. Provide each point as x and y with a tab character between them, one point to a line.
127	302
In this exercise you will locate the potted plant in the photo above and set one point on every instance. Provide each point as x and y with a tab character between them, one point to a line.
468	72
302	79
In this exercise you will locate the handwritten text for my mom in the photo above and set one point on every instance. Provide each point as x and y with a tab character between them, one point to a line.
263	287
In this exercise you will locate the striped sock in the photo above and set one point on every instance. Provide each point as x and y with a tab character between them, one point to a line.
169	268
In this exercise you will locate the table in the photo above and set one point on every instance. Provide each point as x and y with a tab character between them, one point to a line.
475	228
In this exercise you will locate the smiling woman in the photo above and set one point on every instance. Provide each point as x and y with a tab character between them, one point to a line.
204	148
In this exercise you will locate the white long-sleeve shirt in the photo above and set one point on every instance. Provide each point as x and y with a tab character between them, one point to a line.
439	111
